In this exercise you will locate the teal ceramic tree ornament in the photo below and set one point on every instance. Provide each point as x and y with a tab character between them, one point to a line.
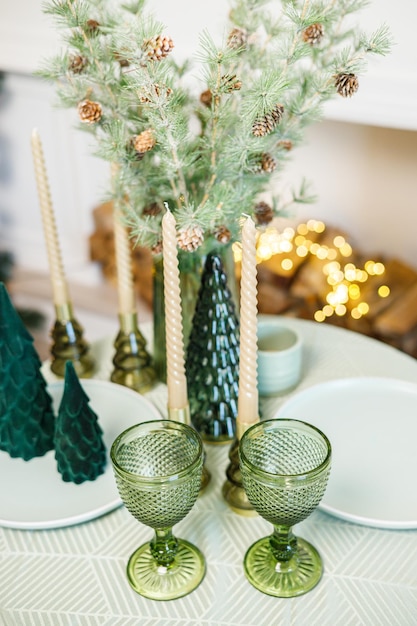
26	412
79	448
212	362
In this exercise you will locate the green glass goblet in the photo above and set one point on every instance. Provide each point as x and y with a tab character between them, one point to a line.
158	467
285	466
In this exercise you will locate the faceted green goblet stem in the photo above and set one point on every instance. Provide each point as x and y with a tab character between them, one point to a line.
164	547
283	543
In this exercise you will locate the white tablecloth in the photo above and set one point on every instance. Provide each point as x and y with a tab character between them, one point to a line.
76	575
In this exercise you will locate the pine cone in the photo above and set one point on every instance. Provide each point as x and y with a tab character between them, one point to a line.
157	247
77	64
266	123
89	111
313	34
286	144
191	238
92	27
206	98
346	84
123	62
265	163
152	209
158	48
231	83
237	38
223	234
145	141
264	213
164	90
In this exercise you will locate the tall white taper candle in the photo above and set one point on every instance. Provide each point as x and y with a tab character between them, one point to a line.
248	389
59	284
176	379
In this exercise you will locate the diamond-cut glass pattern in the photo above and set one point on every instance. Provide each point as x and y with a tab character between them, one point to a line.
159	454
291	489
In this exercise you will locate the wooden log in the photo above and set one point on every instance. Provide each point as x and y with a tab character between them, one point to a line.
401	317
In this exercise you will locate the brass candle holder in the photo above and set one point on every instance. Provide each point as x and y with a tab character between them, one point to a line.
233	491
68	344
132	363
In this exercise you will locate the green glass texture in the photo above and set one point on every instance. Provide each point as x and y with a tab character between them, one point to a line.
158	468
285	466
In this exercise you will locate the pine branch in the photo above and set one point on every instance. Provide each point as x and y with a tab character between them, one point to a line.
212	154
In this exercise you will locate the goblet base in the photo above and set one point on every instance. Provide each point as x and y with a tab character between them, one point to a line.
158	582
283	579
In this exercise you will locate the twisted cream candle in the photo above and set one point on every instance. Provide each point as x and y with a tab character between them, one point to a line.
59	284
125	287
176	380
248	389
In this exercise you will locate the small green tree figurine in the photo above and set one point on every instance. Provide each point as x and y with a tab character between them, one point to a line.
79	448
212	362
26	413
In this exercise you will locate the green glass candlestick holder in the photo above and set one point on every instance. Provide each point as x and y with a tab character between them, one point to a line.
68	344
233	491
133	366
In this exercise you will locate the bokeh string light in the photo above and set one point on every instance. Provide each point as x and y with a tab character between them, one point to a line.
345	280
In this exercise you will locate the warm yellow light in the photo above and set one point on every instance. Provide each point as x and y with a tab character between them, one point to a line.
287	264
314	248
361	276
354	292
237	251
302	229
302	251
342	293
286	246
350	273
339	241
374	269
319	316
346	250
331	299
311	225
332	254
332	267
340	310
263	252
319	227
337	277
369	266
328	310
356	314
288	233
363	308
322	253
384	291
299	240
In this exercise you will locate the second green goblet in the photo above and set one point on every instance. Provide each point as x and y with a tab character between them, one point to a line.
285	465
158	467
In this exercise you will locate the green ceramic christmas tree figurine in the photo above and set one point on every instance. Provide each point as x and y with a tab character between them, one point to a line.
79	448
212	362
26	414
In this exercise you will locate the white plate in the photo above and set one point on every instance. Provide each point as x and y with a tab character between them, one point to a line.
33	494
372	426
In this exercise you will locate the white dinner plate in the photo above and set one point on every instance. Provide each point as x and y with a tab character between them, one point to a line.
372	427
33	494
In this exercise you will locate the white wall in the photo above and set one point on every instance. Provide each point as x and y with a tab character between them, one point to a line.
363	172
366	181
